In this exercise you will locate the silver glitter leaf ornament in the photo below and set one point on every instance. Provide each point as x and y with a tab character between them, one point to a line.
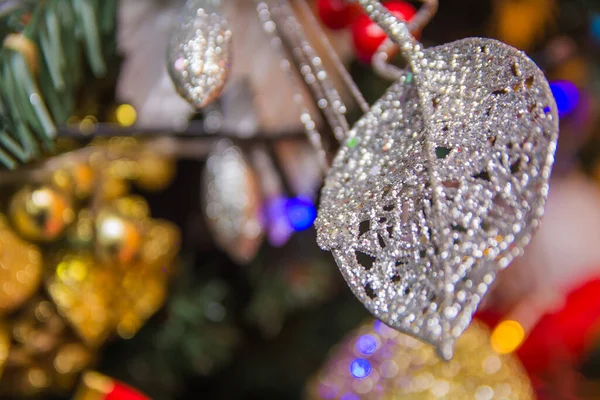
199	52
232	203
441	183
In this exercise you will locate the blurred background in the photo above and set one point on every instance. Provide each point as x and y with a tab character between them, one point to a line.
188	268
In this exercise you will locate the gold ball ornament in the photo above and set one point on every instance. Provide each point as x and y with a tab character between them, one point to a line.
82	290
41	214
20	269
156	172
112	188
378	363
118	238
77	179
161	245
45	356
4	346
80	235
134	207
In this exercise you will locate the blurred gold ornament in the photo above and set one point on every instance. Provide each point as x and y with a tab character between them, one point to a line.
143	287
41	213
521	23
575	69
378	362
123	168
118	239
77	179
112	188
156	172
134	207
70	359
20	269
80	235
82	290
4	346
45	355
161	245
141	297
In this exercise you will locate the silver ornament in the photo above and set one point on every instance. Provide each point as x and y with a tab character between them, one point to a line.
199	52
232	203
441	184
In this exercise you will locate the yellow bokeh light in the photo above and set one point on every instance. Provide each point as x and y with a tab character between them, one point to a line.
126	115
507	337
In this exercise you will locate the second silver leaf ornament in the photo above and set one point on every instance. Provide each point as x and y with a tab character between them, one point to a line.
199	52
233	202
441	184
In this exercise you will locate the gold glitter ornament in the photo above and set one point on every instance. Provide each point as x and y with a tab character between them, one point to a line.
118	238
134	207
45	356
522	23
82	290
20	269
376	362
155	172
78	179
80	235
4	346
161	245
41	213
141	295
112	188
143	287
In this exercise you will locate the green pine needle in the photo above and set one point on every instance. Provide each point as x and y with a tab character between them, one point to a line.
31	106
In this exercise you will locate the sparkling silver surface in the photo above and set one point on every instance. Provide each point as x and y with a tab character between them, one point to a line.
232	202
310	66
199	52
441	183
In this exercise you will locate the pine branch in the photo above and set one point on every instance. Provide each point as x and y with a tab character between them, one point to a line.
71	36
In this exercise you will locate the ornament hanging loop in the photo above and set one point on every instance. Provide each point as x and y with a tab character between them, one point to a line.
390	48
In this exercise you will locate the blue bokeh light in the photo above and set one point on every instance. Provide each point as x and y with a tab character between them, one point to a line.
279	229
595	26
566	95
366	344
350	396
360	368
301	213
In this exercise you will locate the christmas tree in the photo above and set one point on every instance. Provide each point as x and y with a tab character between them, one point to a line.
172	169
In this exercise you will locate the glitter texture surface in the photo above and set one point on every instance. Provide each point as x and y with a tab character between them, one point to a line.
199	52
440	184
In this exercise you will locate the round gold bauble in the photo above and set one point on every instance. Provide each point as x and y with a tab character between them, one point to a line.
133	207
83	291
156	172
4	346
118	238
112	188
77	179
80	235
378	363
161	245
41	214
20	269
